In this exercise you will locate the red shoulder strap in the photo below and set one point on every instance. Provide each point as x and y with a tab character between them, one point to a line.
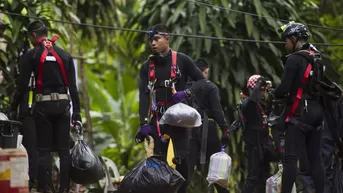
173	68
40	70
48	48
152	71
172	71
299	92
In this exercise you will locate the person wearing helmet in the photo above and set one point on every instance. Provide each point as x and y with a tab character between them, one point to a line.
304	111
163	78
255	135
205	140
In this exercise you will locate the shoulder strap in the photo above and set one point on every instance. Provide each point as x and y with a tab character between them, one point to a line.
173	68
152	77
48	47
299	92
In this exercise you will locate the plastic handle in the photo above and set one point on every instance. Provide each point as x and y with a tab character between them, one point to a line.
173	88
223	148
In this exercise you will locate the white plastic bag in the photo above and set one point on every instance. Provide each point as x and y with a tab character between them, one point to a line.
21	147
273	184
181	115
219	169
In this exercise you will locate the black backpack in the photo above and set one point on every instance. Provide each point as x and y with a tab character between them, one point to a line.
322	77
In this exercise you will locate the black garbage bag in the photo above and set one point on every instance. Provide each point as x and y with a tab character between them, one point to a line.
152	176
337	182
86	167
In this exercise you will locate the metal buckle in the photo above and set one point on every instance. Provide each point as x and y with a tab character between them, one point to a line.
39	97
55	96
167	83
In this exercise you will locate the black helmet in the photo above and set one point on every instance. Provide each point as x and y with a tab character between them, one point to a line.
298	30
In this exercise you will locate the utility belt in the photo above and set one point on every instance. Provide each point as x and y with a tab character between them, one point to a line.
51	97
304	127
48	91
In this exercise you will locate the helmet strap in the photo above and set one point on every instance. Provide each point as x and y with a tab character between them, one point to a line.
294	40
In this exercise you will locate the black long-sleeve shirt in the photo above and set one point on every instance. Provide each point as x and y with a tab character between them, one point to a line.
295	67
208	100
254	132
52	75
162	72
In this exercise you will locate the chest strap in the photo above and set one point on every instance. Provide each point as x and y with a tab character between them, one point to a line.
48	48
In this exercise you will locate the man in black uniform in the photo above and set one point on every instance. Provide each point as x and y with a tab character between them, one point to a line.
29	136
255	135
205	141
158	75
305	111
55	74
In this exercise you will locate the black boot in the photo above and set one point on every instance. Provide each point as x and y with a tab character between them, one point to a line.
44	173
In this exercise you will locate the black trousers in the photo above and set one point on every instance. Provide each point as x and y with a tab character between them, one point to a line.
180	137
30	144
52	120
213	146
258	168
328	149
304	145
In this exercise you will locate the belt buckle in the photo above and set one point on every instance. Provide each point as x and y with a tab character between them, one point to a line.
39	97
167	83
54	96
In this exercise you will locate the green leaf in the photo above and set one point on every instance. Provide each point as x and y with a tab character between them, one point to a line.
180	8
202	18
225	3
254	60
237	50
258	6
208	45
74	17
232	18
249	24
15	4
217	28
274	49
164	12
58	11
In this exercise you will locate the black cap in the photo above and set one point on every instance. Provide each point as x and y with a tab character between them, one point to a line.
36	26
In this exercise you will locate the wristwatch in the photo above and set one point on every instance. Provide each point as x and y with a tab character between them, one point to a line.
145	122
189	92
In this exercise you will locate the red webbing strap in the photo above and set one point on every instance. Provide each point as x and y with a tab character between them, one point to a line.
299	93
153	79
60	63
173	68
152	71
262	114
172	71
158	125
47	48
53	40
40	70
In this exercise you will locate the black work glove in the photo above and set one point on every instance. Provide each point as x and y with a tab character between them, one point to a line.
261	82
226	137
